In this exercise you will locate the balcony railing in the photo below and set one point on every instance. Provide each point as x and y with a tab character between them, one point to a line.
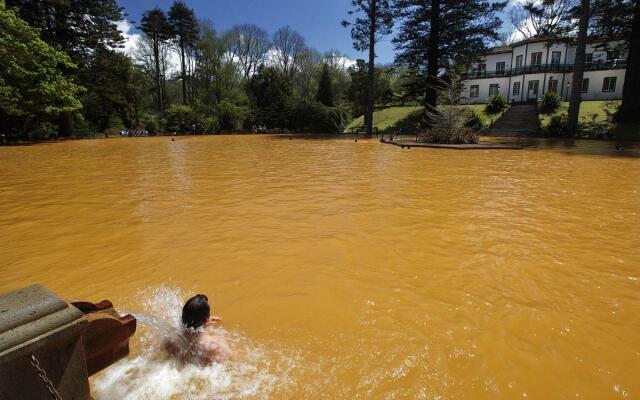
542	68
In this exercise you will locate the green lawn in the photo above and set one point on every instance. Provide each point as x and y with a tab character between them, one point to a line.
591	112
392	119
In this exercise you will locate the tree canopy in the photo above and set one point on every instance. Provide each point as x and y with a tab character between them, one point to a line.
33	87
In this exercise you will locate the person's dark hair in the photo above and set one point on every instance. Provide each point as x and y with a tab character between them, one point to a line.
196	311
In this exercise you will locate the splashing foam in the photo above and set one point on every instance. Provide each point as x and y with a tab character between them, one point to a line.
154	375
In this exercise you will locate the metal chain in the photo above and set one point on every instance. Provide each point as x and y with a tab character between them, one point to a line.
43	376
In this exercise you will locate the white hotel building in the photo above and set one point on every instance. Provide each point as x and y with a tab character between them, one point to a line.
526	70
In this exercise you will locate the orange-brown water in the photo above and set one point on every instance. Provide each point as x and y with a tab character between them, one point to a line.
355	270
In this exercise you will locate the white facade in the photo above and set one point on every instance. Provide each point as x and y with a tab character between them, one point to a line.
525	71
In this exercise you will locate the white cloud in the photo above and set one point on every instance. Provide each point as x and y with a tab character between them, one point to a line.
131	36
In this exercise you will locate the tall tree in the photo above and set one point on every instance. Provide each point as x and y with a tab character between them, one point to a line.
79	28
156	27
250	44
270	92
374	20
217	73
289	46
437	34
358	91
185	28
578	67
33	87
325	89
542	17
630	107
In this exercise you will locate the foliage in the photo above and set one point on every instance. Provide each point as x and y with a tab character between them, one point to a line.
182	119
542	17
475	122
249	43
357	92
550	103
115	91
155	26
33	87
270	92
374	20
78	28
447	136
230	116
435	35
496	105
184	23
288	46
325	89
316	117
557	126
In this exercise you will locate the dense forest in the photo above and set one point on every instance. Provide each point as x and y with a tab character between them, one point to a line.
64	73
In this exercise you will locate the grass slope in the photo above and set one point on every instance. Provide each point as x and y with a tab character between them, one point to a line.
392	119
596	117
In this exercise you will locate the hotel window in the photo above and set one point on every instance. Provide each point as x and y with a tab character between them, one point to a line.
555	58
516	88
475	89
609	84
588	58
500	68
536	59
553	85
519	61
585	85
611	55
494	89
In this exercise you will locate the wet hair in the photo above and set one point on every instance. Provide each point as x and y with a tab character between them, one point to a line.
196	311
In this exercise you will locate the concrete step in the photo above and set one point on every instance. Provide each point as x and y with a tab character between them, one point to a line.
518	120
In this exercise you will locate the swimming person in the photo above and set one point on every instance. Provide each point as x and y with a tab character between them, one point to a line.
196	344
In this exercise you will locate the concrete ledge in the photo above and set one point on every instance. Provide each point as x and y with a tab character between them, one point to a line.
478	146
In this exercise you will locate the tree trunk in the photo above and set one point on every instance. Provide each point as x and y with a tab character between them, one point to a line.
65	124
630	107
156	56
371	70
578	69
433	58
184	72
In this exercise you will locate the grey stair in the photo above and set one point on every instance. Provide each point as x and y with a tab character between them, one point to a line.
518	120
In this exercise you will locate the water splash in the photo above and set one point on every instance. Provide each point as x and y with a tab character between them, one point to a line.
154	375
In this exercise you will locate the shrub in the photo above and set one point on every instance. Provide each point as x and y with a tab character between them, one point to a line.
151	123
449	136
496	105
475	121
181	119
557	126
549	103
315	117
230	117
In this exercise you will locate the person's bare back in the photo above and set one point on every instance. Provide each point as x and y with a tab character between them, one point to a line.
197	344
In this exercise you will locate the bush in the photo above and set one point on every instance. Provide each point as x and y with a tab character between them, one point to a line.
475	121
496	105
449	136
557	126
549	103
151	123
181	119
315	117
230	117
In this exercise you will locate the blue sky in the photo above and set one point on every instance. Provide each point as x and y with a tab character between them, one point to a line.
318	20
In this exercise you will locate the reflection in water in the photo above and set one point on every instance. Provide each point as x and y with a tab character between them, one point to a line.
344	270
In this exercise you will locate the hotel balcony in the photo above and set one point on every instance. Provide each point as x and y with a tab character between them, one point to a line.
542	68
